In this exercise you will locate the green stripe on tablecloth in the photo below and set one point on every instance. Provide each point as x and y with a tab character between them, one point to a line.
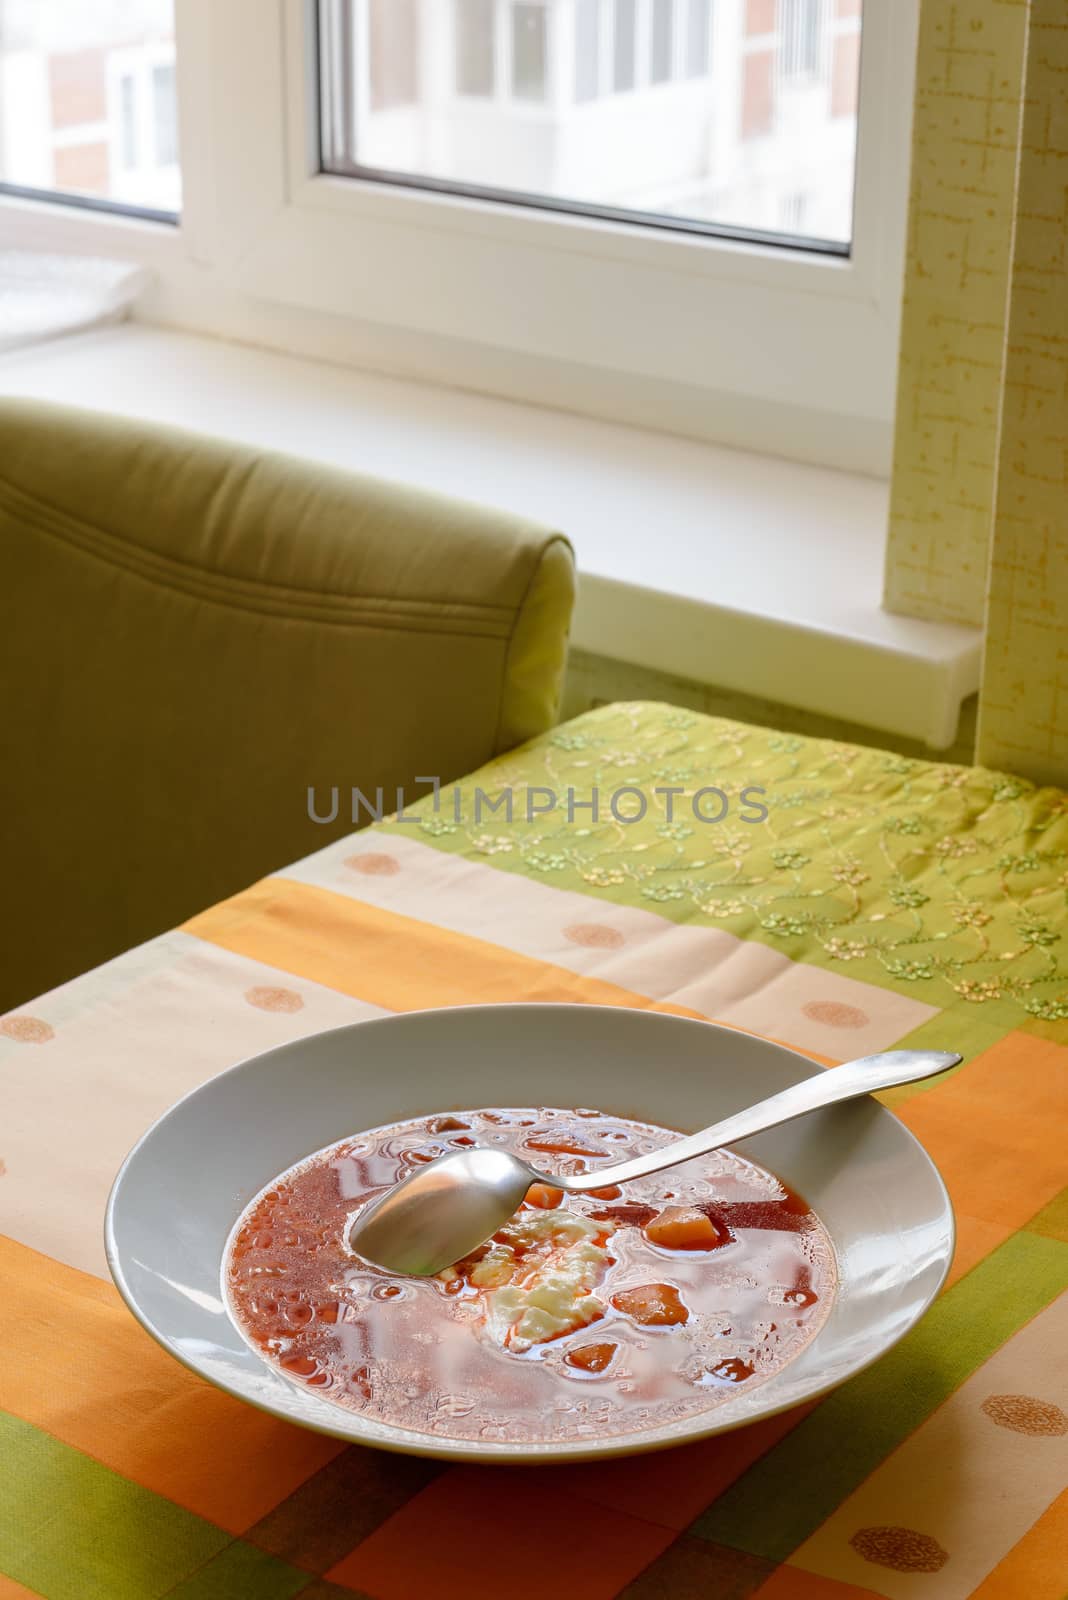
72	1529
1052	1220
241	1572
783	1498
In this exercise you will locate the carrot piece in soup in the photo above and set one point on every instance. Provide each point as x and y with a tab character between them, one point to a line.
654	1305
685	1228
544	1196
591	1357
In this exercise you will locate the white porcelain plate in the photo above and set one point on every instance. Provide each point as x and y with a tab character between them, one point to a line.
184	1184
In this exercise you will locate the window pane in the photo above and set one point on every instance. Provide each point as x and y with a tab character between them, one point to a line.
626	42
128	142
748	126
87	101
392	26
165	120
587	49
663	39
475	45
802	36
698	37
528	52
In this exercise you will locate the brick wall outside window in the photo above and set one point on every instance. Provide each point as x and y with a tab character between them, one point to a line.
761	16
83	168
758	93
78	88
844	66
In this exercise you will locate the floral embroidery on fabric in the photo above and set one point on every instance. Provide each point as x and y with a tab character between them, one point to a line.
920	876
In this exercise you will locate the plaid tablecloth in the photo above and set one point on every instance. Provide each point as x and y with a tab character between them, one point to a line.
883	901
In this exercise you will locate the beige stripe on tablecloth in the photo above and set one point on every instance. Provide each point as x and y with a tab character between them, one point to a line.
705	969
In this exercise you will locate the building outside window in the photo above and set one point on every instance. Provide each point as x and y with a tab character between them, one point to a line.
588	18
87	101
508	176
474	44
804	30
529	65
624	19
738	114
663	41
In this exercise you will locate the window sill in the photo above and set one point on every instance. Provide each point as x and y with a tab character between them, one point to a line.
751	573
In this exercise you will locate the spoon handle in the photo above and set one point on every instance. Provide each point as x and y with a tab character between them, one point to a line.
811	1094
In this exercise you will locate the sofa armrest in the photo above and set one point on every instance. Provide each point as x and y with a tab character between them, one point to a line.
194	634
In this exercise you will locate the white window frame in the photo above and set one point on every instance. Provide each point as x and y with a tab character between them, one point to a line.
778	350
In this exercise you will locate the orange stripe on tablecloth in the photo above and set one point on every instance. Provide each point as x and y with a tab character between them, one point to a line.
395	961
482	1522
996	1129
387	959
10	1590
1037	1565
77	1365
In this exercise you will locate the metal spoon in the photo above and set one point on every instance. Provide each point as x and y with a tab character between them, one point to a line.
441	1213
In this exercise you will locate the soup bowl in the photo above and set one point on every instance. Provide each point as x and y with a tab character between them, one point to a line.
181	1189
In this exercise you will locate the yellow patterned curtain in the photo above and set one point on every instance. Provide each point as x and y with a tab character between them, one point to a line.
979	499
1023	708
964	151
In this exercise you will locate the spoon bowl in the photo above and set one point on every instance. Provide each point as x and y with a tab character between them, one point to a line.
442	1212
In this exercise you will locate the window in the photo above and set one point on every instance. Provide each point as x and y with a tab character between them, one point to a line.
128	140
587	49
793	213
803	27
393	43
625	42
634	208
698	34
165	113
663	40
474	41
709	139
529	27
87	102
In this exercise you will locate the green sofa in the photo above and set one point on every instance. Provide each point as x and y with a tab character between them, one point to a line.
193	635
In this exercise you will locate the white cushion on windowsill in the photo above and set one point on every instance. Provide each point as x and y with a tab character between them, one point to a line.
44	296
